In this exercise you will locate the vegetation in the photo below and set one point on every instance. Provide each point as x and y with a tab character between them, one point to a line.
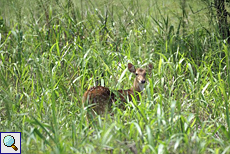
51	51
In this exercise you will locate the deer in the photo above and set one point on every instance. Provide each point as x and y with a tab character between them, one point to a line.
102	98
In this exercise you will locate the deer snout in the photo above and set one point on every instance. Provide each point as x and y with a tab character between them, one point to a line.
142	81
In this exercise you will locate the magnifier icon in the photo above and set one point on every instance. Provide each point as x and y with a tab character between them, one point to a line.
9	141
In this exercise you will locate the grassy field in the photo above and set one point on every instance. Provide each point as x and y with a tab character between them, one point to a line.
52	51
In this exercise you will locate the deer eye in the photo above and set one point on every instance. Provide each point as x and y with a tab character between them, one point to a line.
136	74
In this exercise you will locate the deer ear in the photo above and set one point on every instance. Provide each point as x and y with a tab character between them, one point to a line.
131	68
149	68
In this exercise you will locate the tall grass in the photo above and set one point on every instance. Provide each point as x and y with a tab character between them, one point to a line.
52	51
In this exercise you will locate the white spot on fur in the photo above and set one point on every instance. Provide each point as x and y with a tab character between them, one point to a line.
141	86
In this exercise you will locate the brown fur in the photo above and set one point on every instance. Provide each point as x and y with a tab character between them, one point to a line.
101	98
